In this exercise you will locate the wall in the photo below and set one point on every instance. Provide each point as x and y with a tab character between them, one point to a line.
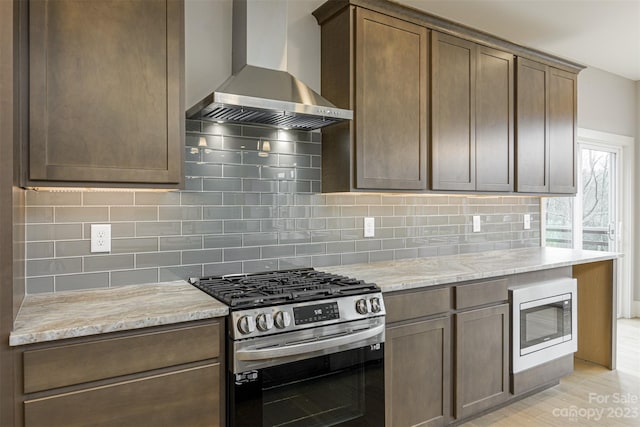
636	262
606	102
242	212
208	47
237	214
6	251
11	206
609	103
224	223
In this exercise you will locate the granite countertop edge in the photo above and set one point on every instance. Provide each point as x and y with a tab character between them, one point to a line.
73	314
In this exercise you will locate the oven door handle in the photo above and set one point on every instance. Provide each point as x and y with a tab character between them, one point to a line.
308	347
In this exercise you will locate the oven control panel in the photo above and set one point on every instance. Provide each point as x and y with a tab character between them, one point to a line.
316	313
263	321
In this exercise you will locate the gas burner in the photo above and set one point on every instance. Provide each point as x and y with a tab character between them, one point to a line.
278	287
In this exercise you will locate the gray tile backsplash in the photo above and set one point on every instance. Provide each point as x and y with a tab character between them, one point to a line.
245	211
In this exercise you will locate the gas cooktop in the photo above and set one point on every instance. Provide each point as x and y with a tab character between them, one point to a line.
280	287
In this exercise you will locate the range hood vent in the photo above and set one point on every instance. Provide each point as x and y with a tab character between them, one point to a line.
282	120
264	95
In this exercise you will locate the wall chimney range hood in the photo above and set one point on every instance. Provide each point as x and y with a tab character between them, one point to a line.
260	90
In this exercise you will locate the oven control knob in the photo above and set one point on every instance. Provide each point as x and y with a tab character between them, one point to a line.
264	322
282	319
361	306
246	324
375	305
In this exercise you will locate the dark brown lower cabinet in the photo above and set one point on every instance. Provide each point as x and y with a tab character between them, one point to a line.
481	359
164	376
188	397
447	353
417	373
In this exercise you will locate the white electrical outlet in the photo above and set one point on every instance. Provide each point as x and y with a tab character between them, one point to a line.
527	221
476	223
369	227
100	237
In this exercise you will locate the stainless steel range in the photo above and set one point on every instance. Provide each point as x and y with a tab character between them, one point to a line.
306	348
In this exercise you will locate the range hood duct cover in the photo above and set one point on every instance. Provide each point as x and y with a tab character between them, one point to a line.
263	95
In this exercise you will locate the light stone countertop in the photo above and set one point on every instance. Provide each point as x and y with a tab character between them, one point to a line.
70	314
60	315
422	272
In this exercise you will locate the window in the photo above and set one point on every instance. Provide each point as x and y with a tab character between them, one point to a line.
559	221
588	220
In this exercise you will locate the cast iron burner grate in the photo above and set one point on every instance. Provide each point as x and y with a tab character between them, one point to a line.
278	287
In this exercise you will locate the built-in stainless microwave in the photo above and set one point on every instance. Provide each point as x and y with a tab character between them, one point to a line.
543	321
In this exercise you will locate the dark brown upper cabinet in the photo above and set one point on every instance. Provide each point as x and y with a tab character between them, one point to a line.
106	93
471	116
563	99
439	106
546	129
376	65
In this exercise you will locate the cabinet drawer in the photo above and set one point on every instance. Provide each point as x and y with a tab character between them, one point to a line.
189	397
411	305
480	293
79	363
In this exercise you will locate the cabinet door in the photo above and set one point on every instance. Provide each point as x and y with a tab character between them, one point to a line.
482	359
562	131
106	85
532	147
417	373
390	103
494	120
453	148
190	397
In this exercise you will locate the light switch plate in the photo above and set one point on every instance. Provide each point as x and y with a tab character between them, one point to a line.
100	237
369	227
527	221
476	223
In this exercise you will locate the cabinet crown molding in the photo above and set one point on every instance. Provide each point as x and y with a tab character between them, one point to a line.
437	23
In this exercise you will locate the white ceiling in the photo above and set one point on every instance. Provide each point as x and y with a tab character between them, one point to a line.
599	33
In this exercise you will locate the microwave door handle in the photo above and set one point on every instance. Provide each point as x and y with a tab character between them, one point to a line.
308	347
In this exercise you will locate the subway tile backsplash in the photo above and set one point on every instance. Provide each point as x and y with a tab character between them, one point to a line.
246	210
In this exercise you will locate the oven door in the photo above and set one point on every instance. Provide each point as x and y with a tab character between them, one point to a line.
331	379
544	323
